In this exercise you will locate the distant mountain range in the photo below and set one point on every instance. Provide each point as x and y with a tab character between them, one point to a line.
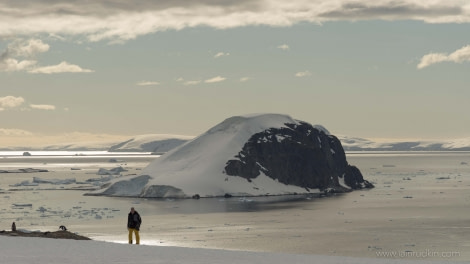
155	143
161	143
362	144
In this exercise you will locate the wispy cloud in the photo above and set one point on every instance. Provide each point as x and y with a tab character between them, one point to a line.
244	79
123	20
283	47
221	54
191	82
303	74
63	67
215	79
42	106
14	132
147	83
10	102
458	56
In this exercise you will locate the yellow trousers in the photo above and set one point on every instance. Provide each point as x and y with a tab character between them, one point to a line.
137	237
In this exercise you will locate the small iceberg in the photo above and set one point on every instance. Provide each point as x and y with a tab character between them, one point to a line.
114	171
54	181
24	183
22	205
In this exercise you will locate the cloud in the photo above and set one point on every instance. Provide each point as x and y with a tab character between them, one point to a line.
192	82
29	48
303	74
10	102
13	102
440	11
147	83
244	79
10	65
221	54
283	47
14	132
63	67
42	106
20	54
195	82
123	20
458	56
215	79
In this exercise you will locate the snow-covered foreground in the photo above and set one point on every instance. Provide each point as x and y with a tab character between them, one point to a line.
19	250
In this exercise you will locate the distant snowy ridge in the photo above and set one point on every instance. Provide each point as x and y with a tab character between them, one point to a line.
102	145
362	144
163	143
159	143
76	146
200	166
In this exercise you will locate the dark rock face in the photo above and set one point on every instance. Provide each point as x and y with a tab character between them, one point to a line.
300	155
353	178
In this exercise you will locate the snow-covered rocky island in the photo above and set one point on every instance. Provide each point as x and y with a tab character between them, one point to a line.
255	155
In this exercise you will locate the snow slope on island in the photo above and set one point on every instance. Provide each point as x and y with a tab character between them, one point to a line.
20	250
151	143
197	167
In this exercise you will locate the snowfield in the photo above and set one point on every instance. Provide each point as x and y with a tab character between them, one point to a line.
20	250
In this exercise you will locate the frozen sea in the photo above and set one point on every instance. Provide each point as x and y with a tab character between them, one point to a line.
420	205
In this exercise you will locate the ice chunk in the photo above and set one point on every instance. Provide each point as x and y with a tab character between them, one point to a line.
114	171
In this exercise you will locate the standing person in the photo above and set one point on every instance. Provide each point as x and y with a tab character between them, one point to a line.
133	225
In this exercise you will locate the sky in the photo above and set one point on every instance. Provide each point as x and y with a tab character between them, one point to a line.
102	69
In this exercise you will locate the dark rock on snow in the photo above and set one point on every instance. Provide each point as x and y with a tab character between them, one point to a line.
300	155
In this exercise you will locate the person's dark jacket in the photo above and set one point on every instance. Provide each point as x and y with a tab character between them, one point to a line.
134	220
